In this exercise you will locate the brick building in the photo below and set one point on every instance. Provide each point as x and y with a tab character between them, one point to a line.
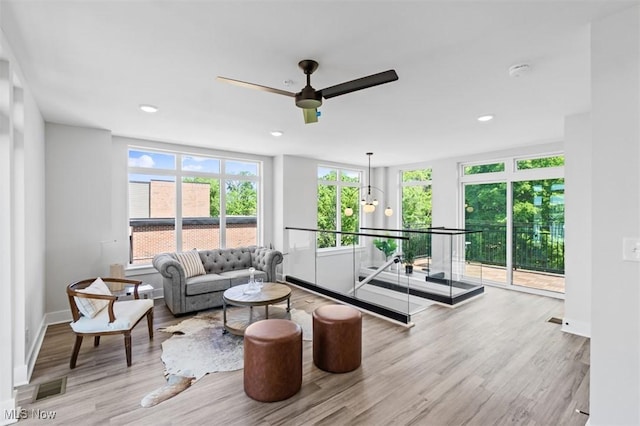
152	220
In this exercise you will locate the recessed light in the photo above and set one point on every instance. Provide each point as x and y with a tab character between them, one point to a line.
149	108
484	118
277	133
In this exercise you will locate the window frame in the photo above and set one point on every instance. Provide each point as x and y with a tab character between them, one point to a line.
339	184
178	173
510	175
422	183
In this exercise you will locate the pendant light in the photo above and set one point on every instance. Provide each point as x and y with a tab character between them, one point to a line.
368	201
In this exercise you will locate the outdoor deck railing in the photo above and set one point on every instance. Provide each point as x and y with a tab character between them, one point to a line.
536	246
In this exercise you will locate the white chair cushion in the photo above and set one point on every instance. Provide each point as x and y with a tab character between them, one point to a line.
91	307
127	313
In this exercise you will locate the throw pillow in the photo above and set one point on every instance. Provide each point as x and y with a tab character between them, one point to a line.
90	307
191	262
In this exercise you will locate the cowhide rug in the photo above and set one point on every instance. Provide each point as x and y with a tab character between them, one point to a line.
198	347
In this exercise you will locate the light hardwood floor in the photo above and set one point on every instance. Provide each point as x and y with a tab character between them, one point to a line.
495	360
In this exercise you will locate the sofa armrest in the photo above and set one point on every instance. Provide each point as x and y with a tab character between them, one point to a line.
266	259
167	265
173	282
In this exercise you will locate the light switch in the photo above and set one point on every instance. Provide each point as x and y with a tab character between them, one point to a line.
631	249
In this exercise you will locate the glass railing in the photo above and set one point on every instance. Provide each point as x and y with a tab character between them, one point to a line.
394	273
359	274
440	268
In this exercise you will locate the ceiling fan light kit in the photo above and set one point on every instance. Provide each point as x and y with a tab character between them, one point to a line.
310	99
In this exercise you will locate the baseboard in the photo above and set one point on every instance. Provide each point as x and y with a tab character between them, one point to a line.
58	317
20	375
34	351
579	328
9	413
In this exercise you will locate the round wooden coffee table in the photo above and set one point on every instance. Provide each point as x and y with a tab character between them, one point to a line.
270	294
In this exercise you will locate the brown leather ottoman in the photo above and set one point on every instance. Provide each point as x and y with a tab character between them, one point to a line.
272	360
337	338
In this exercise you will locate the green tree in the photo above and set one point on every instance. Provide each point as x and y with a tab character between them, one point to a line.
538	217
484	168
242	198
416	199
327	216
416	206
327	198
350	197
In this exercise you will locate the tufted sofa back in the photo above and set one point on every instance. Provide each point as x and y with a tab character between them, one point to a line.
230	259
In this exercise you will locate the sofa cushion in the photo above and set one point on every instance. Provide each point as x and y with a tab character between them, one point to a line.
222	260
242	276
191	262
206	284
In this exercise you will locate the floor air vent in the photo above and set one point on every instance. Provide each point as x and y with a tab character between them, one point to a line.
555	320
49	389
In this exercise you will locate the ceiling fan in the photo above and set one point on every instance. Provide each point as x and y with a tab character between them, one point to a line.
309	99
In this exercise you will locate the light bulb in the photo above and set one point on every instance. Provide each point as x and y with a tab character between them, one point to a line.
363	202
375	201
348	211
369	208
388	211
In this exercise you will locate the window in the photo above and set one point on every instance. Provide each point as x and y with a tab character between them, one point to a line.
520	210
338	190
416	198
165	217
483	168
539	163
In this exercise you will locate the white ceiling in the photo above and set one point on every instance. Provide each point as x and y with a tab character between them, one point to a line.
92	63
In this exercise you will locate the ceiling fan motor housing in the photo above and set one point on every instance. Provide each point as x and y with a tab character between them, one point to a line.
308	98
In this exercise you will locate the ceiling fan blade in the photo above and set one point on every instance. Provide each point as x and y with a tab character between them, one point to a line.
310	115
255	86
359	84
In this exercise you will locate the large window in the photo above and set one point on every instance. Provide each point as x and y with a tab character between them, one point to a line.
215	205
338	190
518	204
416	198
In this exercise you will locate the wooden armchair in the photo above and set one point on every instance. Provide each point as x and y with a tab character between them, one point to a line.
96	312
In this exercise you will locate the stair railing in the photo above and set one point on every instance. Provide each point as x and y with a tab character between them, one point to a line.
391	261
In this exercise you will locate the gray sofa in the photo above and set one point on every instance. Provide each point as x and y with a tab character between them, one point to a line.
224	269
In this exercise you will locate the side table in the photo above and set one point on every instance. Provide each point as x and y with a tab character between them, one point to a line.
145	291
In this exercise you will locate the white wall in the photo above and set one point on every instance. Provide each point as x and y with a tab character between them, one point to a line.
297	182
33	247
78	205
22	212
615	310
578	191
7	268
